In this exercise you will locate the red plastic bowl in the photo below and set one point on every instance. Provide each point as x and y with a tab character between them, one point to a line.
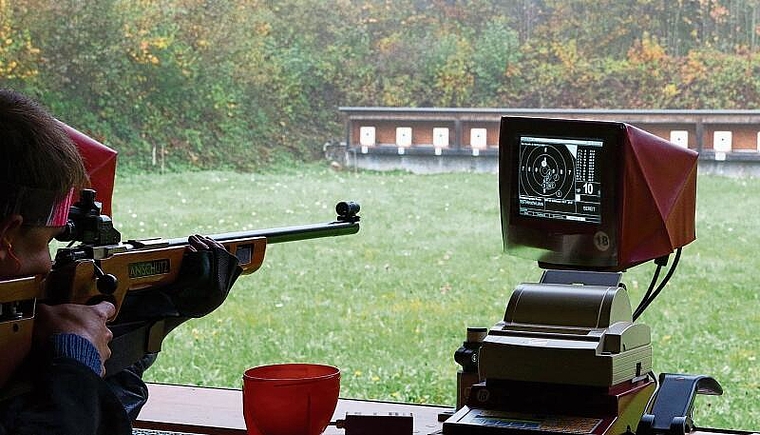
289	399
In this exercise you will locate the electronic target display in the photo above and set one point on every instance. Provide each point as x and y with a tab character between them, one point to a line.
592	195
559	178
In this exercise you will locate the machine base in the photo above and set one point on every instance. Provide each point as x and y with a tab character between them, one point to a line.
520	408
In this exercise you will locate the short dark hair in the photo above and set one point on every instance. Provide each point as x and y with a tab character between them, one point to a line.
35	151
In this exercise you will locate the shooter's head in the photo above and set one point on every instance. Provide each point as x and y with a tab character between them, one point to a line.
593	195
40	168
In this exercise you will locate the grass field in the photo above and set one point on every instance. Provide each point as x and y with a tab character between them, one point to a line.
390	305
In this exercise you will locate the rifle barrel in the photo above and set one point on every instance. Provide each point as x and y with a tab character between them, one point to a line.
285	234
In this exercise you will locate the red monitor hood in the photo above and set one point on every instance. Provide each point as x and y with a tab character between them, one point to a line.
100	162
659	198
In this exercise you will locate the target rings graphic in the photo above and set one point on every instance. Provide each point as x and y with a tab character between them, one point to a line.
547	172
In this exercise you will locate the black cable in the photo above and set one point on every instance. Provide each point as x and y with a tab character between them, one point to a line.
660	262
644	304
670	273
648	293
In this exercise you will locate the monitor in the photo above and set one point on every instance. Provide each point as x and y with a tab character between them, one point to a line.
593	195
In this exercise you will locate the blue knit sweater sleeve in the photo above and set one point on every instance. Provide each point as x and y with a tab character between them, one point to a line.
78	348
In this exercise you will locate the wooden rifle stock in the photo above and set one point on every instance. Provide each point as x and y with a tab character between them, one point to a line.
17	308
90	273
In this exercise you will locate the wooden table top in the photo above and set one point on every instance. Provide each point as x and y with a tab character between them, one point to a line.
219	411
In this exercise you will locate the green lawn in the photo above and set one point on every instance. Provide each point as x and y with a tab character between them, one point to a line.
390	305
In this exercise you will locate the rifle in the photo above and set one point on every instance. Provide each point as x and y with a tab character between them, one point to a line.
101	267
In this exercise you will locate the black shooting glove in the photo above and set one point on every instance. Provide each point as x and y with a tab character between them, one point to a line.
205	280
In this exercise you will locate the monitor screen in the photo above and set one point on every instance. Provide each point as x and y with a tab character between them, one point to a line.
592	195
559	178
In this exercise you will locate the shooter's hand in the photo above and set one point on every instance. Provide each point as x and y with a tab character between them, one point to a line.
202	243
87	321
208	272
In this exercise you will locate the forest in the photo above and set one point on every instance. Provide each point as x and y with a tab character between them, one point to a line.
200	84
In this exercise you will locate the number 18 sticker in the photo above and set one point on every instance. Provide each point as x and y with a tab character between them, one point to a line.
602	241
